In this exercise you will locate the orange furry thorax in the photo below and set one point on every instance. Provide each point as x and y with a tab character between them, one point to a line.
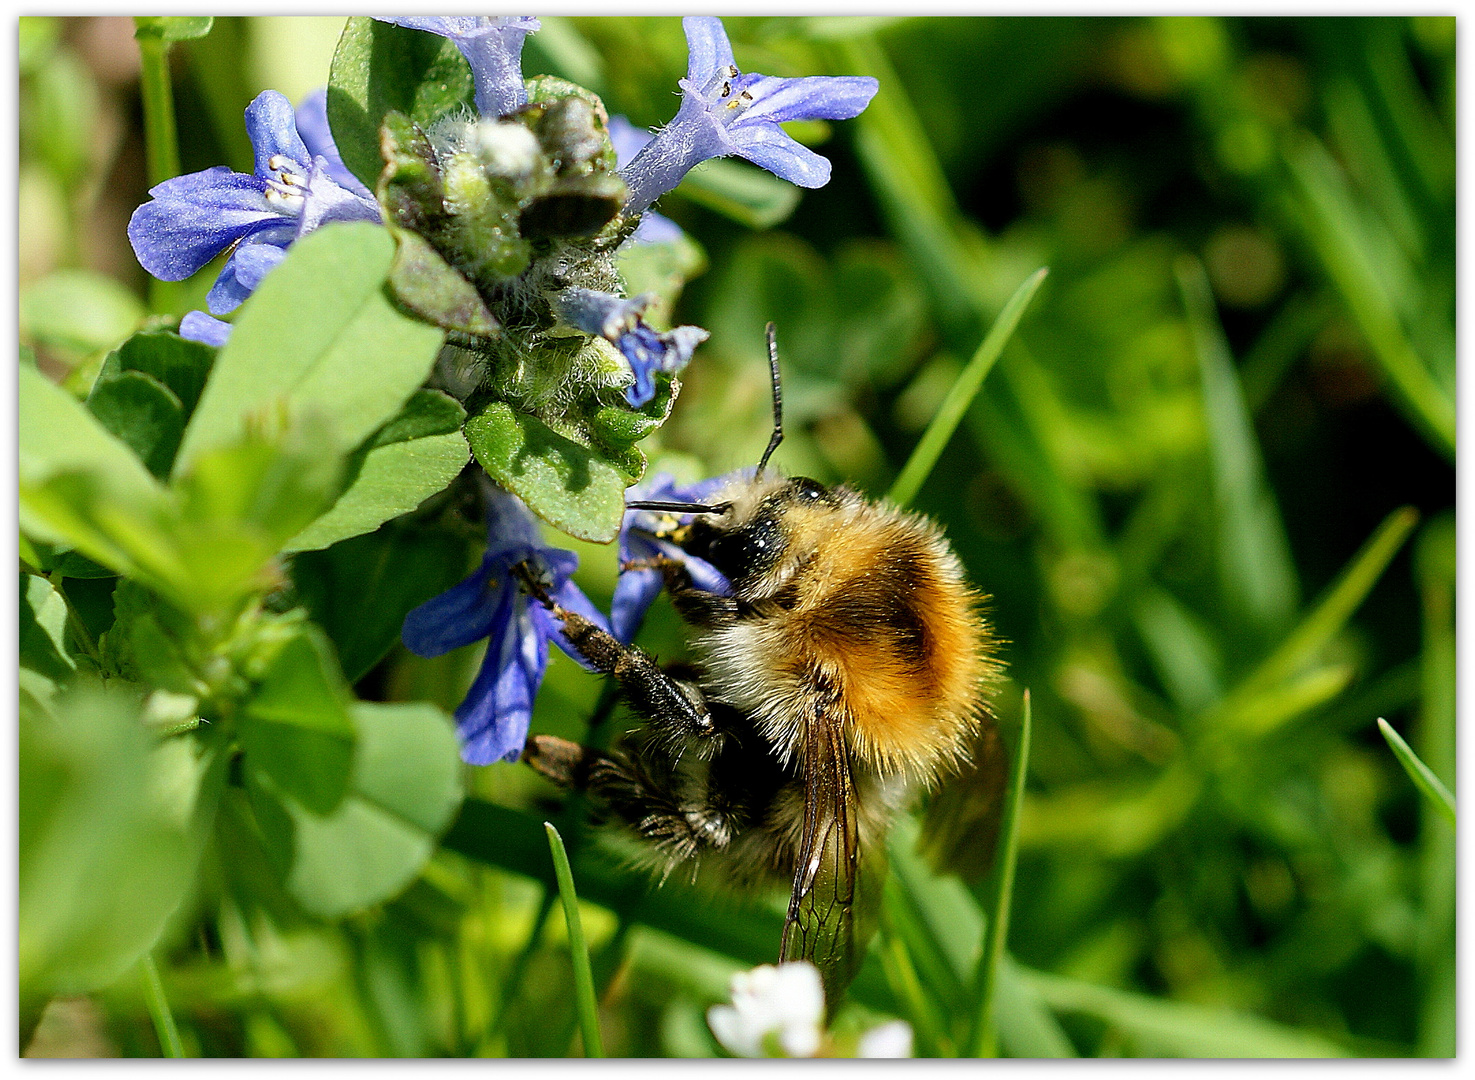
871	605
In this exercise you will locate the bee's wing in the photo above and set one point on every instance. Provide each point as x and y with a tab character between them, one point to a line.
821	922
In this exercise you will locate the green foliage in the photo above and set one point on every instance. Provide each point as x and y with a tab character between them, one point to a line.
569	486
102	801
1191	480
379	68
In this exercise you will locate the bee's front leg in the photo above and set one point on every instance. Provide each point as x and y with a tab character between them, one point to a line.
677	706
697	606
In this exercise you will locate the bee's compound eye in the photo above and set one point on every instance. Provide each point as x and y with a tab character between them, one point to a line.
750	550
806	490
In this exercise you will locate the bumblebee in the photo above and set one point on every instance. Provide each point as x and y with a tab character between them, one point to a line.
848	668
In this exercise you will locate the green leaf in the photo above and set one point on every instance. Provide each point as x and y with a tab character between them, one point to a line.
984	1031
1256	574
172	27
79	312
1326	212
144	413
953	408
564	483
1423	777
410	458
181	365
111	825
57	434
394	480
360	590
79	485
431	289
379	67
584	999
297	728
319	335
406	788
427	413
43	620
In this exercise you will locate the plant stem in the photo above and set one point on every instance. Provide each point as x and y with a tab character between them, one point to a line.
158	1006
585	1001
161	140
984	1037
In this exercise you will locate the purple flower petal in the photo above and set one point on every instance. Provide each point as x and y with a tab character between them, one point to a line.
273	131
194	218
708	50
493	720
775	151
463	614
492	45
317	136
197	326
724	112
245	268
816	97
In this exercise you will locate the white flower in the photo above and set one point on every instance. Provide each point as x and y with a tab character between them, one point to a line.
786	1002
892	1040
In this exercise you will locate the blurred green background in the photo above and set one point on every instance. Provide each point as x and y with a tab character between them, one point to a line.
1240	366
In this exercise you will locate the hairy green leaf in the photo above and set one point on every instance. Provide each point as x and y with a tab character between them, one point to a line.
565	484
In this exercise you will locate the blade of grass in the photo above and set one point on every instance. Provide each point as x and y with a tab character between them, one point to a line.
901	975
584	1000
950	413
1435	565
158	1006
1256	574
1284	341
1422	776
913	191
1331	612
983	1038
1179	1029
1324	210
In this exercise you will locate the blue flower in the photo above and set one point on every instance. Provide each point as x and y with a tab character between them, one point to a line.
197	326
295	189
493	720
618	321
492	45
629	140
725	112
636	589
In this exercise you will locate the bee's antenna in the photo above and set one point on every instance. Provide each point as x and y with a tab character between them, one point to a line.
677	507
778	402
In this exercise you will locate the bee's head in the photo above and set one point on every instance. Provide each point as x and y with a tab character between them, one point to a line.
747	537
